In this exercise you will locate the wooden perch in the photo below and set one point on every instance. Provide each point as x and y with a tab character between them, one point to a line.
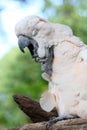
71	124
32	109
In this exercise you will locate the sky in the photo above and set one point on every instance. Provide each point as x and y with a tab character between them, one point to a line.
12	12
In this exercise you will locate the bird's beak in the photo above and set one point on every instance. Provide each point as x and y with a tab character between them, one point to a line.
32	45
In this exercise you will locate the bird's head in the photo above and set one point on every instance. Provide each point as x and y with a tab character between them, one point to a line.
39	36
35	33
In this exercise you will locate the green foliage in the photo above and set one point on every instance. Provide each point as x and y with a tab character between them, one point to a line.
77	24
70	13
19	74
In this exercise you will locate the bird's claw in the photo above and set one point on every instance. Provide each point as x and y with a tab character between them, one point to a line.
55	119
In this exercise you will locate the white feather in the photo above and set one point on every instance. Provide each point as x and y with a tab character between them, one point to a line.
47	101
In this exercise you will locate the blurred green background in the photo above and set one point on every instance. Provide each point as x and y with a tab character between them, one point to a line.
19	74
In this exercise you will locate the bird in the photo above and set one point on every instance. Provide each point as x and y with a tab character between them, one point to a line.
63	58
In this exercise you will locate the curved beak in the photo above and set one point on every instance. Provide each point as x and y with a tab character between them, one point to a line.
30	43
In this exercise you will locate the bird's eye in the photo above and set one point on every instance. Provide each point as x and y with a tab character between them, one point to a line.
34	32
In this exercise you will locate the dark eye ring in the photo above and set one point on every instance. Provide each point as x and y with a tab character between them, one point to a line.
34	32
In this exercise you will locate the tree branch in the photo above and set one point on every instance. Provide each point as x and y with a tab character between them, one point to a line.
71	124
32	109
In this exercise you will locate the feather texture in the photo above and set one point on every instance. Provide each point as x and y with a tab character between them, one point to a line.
68	82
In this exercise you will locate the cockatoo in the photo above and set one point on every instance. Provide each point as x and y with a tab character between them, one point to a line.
63	58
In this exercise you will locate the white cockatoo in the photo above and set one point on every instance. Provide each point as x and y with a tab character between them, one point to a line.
63	57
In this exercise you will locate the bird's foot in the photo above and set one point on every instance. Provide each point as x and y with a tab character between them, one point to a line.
55	119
